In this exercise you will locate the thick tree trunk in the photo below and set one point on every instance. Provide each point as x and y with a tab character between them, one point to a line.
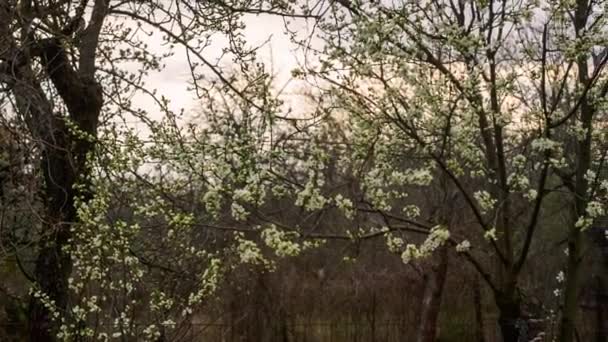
53	268
509	316
431	303
63	165
53	264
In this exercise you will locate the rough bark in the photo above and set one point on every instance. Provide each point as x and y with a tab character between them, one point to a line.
63	155
63	165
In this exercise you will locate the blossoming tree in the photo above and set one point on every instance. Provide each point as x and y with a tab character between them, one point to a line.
490	107
503	98
67	76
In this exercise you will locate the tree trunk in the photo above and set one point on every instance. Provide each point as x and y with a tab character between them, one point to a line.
572	288
601	334
53	265
431	303
63	165
478	304
580	191
510	315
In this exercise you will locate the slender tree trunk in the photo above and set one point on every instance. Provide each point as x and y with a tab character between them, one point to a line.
478	304
601	334
598	236
580	200
431	303
572	287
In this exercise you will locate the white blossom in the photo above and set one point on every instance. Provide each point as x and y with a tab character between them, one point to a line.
395	244
531	194
490	234
544	144
485	200
595	209
560	277
410	253
345	205
281	242
463	246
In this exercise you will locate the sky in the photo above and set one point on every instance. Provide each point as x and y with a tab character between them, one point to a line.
172	81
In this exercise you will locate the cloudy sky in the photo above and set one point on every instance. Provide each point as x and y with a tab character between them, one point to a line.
172	82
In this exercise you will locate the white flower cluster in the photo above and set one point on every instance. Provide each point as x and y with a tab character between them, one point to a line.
280	241
395	244
310	244
518	181
243	195
213	202
437	238
558	163
379	198
485	200
519	161
577	130
208	285
455	166
604	185
411	211
531	195
560	277
490	234
182	220
593	210
544	144
583	223
411	253
151	332
248	251
100	247
375	182
238	212
463	247
345	205
421	177
590	176
161	302
310	197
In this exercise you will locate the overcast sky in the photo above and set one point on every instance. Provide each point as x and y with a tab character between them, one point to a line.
172	82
